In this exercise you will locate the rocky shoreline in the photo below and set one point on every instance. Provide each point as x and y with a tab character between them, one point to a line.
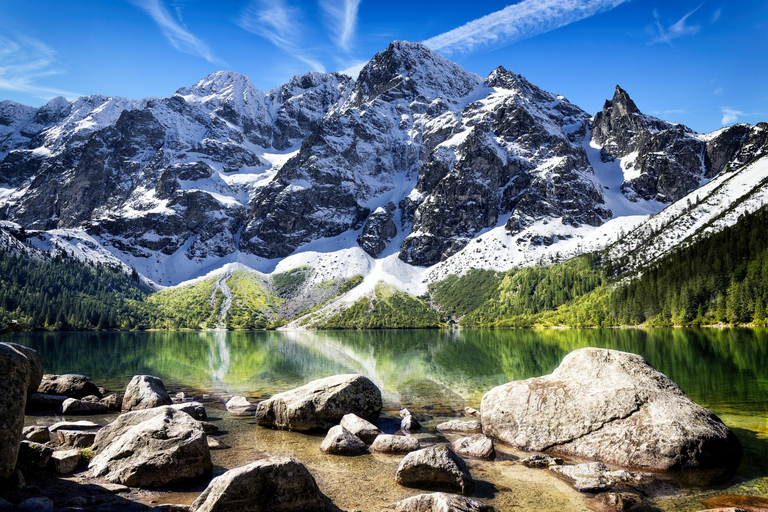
323	437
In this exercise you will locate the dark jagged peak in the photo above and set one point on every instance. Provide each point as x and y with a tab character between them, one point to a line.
408	70
621	128
51	111
308	81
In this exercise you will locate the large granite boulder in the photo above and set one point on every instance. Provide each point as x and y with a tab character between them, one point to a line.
613	407
21	369
69	385
321	404
150	448
145	392
436	467
440	502
274	484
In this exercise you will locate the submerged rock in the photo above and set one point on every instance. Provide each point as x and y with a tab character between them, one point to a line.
361	428
611	406
145	392
21	369
542	461
461	427
150	448
435	468
440	502
595	477
321	403
341	441
275	484
69	385
409	422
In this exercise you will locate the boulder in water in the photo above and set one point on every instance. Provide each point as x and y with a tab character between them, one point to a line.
145	392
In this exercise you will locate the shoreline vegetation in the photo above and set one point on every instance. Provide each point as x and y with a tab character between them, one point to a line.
718	281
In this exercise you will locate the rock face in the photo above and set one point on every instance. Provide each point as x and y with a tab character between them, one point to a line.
321	403
387	443
275	484
151	448
610	406
341	441
435	468
441	502
365	430
378	231
72	386
145	392
22	370
33	457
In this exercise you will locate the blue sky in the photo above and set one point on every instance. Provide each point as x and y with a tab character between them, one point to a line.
704	64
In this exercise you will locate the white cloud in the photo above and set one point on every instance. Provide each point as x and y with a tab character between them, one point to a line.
718	90
174	30
23	62
341	17
677	29
280	24
354	70
716	15
515	23
730	116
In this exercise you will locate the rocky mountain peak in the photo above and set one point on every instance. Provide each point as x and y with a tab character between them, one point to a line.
408	69
621	104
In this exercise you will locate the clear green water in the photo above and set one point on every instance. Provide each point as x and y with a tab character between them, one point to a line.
435	373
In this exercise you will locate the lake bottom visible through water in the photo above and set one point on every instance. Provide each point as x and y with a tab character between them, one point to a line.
436	374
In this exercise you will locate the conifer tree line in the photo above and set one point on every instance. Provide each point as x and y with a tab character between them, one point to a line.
722	279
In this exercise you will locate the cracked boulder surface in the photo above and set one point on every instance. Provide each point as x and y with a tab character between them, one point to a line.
613	407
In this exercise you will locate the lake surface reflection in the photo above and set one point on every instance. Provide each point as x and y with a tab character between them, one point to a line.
434	373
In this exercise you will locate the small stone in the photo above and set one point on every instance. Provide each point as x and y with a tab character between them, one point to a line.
44	402
66	461
478	446
75	425
614	501
469	411
404	413
76	406
440	502
240	404
542	461
33	457
36	505
36	434
114	402
460	427
215	444
108	488
409	424
194	409
361	428
90	398
76	438
435	468
209	428
341	441
387	443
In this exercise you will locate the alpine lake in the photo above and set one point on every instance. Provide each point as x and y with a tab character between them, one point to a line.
434	373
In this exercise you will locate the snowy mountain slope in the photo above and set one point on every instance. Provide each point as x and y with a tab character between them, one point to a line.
417	170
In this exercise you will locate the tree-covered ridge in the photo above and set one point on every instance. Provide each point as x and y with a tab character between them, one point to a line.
390	308
65	294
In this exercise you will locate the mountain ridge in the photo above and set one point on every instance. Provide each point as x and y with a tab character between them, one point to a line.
416	170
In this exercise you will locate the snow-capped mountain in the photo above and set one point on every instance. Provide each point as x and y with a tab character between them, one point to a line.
415	170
